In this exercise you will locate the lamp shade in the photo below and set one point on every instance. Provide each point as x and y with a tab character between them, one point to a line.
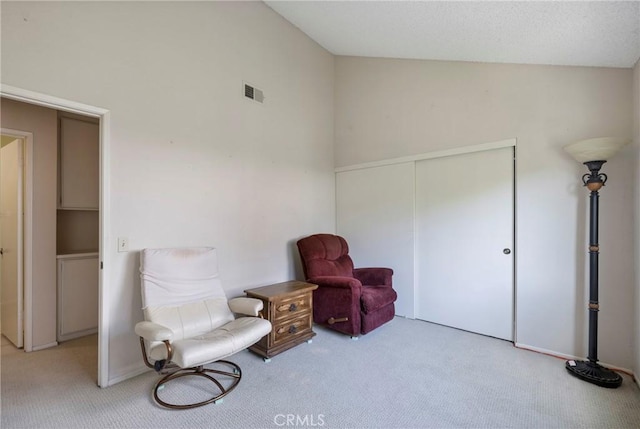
599	149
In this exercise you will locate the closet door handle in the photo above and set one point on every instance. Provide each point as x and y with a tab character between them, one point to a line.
506	251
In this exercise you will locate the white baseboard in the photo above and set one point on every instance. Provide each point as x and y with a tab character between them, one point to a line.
44	346
545	351
129	372
556	354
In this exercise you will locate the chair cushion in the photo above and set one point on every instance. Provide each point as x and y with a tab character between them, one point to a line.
179	276
192	319
375	297
325	255
215	345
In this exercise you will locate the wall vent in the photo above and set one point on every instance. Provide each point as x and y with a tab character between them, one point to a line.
253	93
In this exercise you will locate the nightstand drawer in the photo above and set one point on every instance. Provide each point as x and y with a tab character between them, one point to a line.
291	306
290	329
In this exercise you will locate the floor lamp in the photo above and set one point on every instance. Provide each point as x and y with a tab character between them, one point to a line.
593	153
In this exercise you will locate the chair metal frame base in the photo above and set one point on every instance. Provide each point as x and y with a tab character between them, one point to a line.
235	374
172	371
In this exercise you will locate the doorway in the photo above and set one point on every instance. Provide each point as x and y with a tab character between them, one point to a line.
11	241
102	115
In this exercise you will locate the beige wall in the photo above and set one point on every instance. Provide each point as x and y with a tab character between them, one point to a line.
192	162
42	122
387	108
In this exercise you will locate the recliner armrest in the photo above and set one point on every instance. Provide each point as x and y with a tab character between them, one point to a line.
374	276
246	306
336	282
153	332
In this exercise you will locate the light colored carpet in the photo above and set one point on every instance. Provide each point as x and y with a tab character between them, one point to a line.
406	374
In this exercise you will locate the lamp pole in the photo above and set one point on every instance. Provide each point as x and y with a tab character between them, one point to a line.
590	370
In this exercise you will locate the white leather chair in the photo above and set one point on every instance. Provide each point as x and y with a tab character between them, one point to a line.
189	323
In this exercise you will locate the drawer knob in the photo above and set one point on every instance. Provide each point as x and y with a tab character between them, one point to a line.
293	307
293	329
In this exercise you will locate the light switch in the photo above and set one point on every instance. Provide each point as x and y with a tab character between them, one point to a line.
123	244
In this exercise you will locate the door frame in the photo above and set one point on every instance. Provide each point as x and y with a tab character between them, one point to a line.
25	238
22	196
45	100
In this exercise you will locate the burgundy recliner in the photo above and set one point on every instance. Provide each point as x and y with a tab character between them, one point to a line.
351	301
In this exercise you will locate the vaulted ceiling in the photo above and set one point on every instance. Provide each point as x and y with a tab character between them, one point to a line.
578	33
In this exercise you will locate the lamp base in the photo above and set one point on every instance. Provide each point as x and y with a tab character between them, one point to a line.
594	373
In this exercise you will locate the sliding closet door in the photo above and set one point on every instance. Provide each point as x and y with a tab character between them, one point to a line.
464	241
374	209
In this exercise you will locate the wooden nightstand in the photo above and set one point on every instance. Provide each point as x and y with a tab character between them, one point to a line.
289	308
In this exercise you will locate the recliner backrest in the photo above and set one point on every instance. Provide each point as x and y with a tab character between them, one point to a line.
325	255
181	290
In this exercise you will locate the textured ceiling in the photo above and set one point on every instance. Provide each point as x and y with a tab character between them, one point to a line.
580	33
